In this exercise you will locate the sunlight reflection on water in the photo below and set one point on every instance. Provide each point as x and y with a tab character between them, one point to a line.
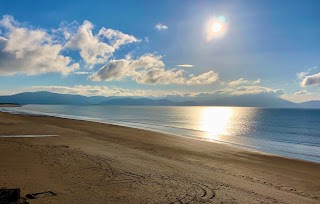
214	121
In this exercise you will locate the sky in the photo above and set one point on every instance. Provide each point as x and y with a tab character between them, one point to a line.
174	48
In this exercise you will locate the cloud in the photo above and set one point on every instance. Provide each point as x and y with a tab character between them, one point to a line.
302	75
251	90
31	51
311	80
149	69
185	65
117	38
92	48
160	76
303	92
160	26
88	90
205	78
244	81
82	73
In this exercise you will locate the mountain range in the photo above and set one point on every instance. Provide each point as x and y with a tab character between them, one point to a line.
69	99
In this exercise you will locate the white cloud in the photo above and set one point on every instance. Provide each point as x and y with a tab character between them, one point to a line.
251	90
35	51
205	78
160	26
160	76
30	51
244	81
185	65
302	75
91	47
309	77
117	38
148	69
303	92
82	73
311	80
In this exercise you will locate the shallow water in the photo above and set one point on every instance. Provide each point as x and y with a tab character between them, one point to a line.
293	133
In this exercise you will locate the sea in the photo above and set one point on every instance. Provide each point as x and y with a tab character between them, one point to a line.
293	133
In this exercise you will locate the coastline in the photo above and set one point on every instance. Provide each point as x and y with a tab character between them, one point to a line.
102	163
9	105
267	148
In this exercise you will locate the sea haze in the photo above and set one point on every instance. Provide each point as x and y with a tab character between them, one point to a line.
293	133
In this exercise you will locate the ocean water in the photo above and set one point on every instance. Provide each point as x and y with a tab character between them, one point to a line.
292	133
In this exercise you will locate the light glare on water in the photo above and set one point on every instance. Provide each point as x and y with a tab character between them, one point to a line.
214	121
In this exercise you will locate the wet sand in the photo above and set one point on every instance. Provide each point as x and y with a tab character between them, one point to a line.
9	105
98	163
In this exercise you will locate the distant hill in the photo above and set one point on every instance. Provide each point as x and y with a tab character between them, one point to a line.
50	98
309	104
44	97
69	99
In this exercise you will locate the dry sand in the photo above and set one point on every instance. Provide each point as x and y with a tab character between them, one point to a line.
97	163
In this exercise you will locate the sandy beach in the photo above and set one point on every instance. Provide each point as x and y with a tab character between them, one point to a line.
87	162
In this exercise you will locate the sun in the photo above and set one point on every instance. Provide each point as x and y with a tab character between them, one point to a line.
216	27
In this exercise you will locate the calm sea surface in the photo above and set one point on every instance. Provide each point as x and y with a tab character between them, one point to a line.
288	132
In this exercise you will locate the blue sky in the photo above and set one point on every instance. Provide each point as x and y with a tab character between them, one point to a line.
133	48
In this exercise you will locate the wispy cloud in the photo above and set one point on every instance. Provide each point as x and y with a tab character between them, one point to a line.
302	75
160	26
185	65
82	73
251	90
303	92
241	81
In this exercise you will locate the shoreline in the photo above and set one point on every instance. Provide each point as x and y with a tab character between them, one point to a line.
100	162
249	148
3	105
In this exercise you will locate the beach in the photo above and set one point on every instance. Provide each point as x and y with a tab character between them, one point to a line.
88	162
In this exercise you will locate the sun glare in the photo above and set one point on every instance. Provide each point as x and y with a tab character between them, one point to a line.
216	27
